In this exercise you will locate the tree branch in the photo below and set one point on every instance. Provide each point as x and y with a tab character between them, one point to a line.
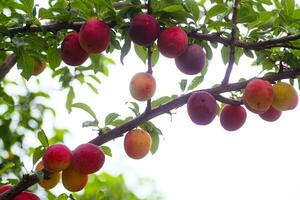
232	43
228	100
9	62
29	180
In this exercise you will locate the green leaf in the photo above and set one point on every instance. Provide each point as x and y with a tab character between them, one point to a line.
70	98
154	55
90	123
106	150
43	138
238	54
155	142
62	197
125	48
135	109
26	63
225	54
183	84
110	118
53	57
196	82
162	100
37	154
93	88
288	6
141	52
248	53
214	11
86	108
154	133
193	8
40	175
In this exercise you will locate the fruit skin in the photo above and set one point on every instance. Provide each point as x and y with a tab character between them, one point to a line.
271	115
21	196
53	179
142	86
258	95
94	36
285	96
73	181
144	29
87	158
172	42
137	143
39	67
252	109
57	158
192	61
71	52
26	196
233	117
202	108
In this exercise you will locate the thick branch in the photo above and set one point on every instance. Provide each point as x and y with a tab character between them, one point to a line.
10	61
232	43
30	180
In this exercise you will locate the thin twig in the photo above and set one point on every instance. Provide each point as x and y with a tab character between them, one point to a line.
228	101
232	43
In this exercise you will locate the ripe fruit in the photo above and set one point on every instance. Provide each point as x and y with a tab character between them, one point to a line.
26	196
57	157
39	67
202	108
271	115
87	158
144	29
73	181
258	95
172	42
3	188
53	179
71	51
285	96
142	86
94	36
233	117
192	60
252	110
137	143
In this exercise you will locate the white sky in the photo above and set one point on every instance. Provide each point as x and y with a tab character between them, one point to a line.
260	161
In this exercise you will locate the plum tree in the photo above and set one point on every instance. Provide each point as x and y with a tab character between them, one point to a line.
142	86
144	29
202	108
94	36
137	143
172	42
233	117
57	158
71	51
87	158
190	31
192	61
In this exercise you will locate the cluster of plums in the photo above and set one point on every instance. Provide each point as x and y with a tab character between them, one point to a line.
75	165
260	97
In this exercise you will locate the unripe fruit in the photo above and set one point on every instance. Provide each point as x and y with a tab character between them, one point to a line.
137	143
53	178
285	96
94	36
144	29
172	42
202	108
192	60
73	181
71	51
57	158
142	86
233	117
26	196
87	158
271	115
39	67
258	95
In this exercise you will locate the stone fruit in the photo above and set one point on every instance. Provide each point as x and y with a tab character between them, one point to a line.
87	158
94	36
142	86
271	115
137	143
144	29
53	179
233	117
73	181
202	108
192	61
285	96
71	51
172	42
39	67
